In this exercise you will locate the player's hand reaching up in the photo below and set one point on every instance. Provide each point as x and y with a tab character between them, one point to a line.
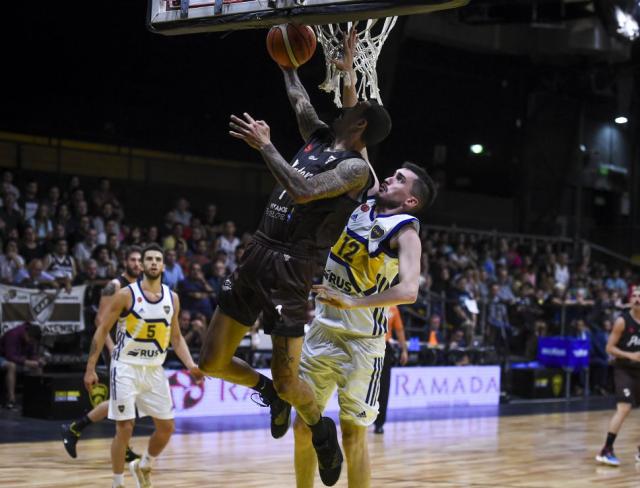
328	295
256	133
345	63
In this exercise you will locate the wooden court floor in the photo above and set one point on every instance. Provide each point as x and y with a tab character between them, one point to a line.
533	451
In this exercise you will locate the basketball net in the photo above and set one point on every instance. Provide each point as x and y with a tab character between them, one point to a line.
365	57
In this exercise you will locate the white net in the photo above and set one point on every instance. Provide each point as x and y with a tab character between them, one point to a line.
370	41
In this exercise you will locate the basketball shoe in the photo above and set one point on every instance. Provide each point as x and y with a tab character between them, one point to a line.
329	455
607	457
142	476
280	414
69	439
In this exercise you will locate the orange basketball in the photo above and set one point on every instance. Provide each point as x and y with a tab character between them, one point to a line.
291	45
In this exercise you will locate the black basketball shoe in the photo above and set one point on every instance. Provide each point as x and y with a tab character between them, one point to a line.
329	455
280	414
69	439
130	455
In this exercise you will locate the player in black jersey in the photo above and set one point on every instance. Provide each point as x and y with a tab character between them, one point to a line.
71	432
624	346
313	198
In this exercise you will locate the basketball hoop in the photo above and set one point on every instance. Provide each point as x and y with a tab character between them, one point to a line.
365	58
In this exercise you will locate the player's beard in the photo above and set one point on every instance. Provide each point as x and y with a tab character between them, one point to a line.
130	272
151	277
384	202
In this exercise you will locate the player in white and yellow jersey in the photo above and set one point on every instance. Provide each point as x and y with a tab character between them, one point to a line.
374	264
147	316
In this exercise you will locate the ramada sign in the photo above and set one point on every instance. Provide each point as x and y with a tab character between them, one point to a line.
410	388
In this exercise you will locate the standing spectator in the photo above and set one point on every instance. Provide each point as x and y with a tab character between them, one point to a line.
181	212
395	326
30	200
195	292
52	200
84	249
228	242
60	264
7	184
498	320
10	262
434	334
29	247
41	223
561	270
10	212
172	273
34	276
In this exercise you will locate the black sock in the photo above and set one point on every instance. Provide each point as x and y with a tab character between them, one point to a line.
611	438
319	432
80	424
265	388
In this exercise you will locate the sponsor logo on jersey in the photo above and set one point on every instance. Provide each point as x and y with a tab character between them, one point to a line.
139	299
362	415
226	286
313	158
377	232
143	353
167	309
338	281
279	310
121	408
329	159
309	148
634	341
133	353
365	207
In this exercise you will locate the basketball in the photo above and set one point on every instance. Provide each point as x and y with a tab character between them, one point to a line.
291	45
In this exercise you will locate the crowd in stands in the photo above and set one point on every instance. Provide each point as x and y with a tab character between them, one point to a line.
475	289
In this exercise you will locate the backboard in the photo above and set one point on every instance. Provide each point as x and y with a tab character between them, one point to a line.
175	17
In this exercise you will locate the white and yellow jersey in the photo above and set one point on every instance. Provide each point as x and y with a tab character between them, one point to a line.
361	263
144	331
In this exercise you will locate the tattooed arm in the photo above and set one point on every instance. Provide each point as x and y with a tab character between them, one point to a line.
350	175
108	292
121	301
308	120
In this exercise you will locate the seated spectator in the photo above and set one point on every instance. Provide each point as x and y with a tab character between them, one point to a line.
195	292
561	270
60	264
505	291
103	195
211	223
616	283
463	311
64	219
457	346
228	242
216	280
83	250
106	266
239	252
498	320
435	335
170	241
20	346
193	330
10	262
152	235
99	222
34	276
30	248
89	274
172	273
200	255
197	234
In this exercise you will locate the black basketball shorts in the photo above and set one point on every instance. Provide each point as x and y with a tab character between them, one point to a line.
272	282
627	381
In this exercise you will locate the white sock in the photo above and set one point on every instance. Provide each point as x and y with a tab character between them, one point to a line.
118	479
147	461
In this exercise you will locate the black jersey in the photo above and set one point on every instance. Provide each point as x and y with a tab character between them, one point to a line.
629	341
123	281
308	229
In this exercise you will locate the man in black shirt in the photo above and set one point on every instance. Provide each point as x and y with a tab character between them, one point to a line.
304	216
624	346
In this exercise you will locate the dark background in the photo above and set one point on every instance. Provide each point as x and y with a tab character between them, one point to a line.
94	72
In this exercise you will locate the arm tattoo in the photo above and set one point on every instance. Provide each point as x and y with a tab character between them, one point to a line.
350	174
109	290
308	120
